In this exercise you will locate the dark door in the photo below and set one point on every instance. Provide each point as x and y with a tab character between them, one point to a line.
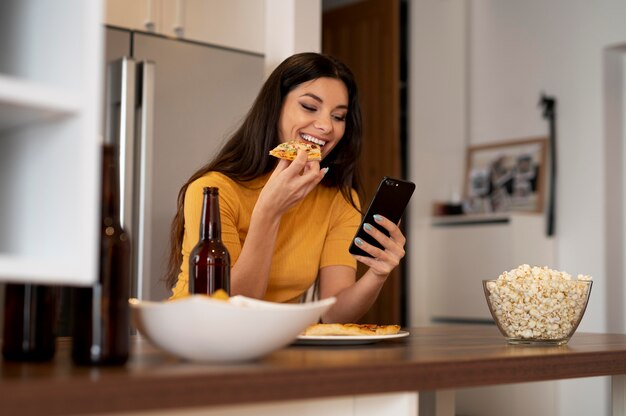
366	36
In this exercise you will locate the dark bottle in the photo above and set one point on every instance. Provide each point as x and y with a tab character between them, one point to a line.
209	261
30	313
101	312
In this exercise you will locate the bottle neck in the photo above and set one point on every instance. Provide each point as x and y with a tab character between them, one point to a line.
110	183
211	225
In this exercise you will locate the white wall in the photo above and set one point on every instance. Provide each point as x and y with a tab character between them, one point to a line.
437	126
291	26
514	51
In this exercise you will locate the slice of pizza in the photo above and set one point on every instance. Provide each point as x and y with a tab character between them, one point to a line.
350	329
289	150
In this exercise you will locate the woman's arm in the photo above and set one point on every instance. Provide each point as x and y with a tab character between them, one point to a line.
354	299
289	184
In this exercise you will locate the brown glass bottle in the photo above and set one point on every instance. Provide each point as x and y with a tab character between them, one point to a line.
30	313
209	261
101	312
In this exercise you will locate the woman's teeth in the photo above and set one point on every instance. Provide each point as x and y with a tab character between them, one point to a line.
312	139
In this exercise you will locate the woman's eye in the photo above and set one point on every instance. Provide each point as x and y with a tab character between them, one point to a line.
308	107
340	117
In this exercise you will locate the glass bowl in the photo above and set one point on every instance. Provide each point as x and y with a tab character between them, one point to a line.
537	312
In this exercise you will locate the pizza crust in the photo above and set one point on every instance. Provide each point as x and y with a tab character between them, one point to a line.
289	150
350	329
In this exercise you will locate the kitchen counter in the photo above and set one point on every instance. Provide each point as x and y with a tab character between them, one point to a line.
431	358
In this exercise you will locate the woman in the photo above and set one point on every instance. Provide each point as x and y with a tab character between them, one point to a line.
288	224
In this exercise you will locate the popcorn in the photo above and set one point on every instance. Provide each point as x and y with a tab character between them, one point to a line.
538	303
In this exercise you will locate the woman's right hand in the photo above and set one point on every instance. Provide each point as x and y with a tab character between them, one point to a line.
290	182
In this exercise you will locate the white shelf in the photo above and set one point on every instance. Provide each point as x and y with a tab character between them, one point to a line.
25	102
51	62
489	218
18	268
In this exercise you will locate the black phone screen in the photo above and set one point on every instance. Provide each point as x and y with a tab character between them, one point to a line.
390	201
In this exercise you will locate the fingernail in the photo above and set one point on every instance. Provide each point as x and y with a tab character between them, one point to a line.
326	170
358	241
378	218
367	226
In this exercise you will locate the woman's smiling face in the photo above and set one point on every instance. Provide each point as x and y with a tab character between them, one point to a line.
315	112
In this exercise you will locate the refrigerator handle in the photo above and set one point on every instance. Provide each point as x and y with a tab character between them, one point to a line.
143	178
120	129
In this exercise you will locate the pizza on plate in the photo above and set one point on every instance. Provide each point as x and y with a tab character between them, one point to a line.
289	150
350	329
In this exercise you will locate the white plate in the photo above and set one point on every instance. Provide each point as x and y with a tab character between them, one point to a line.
346	339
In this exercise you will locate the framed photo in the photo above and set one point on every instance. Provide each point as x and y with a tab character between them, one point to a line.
507	176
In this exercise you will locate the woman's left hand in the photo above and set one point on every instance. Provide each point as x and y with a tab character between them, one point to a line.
383	260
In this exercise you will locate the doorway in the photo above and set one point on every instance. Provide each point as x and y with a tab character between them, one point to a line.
370	37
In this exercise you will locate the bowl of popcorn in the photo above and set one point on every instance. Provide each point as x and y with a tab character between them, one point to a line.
537	305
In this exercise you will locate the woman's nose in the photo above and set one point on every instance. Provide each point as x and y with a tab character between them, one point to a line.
324	124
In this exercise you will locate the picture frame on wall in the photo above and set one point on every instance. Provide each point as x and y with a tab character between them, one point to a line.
506	177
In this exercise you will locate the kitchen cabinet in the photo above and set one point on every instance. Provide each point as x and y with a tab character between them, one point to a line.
134	14
237	24
50	77
465	250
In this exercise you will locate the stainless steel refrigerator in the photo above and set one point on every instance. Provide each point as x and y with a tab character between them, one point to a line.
170	104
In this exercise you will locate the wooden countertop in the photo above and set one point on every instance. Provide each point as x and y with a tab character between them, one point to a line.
432	358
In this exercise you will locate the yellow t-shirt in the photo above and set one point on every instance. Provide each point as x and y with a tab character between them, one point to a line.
315	233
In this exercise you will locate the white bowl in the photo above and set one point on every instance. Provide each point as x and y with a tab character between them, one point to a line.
200	328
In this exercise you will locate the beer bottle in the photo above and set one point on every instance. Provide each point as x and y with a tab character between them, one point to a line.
209	261
29	322
101	312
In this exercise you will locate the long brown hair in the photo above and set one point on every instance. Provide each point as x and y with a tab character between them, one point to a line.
245	155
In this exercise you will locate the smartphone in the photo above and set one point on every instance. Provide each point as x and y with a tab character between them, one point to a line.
390	201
